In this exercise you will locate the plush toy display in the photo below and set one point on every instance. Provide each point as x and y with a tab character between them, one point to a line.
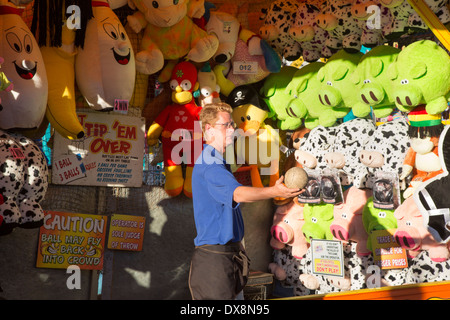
169	34
420	77
208	88
24	181
343	29
343	155
318	219
24	106
258	143
422	160
59	47
412	235
286	229
305	86
278	18
337	92
371	18
401	11
373	84
306	31
431	196
176	126
105	69
279	102
347	222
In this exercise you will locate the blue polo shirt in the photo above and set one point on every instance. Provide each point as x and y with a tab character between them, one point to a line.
218	219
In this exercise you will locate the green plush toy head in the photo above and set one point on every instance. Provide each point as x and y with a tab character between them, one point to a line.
374	88
337	92
274	93
318	218
304	88
420	76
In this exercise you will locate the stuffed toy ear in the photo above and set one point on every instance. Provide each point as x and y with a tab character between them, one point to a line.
24	105
105	68
339	73
376	67
418	70
392	71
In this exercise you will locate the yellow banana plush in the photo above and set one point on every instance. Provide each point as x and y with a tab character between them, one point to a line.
60	66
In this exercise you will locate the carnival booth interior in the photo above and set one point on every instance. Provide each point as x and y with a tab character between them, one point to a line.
354	112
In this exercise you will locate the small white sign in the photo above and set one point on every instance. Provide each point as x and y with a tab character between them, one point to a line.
327	257
245	67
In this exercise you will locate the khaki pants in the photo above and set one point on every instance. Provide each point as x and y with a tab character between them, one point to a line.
218	272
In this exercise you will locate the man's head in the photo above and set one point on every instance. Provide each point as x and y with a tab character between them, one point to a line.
217	125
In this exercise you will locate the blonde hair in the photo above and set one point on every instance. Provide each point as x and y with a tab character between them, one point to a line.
209	113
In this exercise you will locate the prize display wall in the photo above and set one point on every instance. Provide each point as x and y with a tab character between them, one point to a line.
355	93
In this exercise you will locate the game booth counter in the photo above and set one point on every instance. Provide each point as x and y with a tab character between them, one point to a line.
100	105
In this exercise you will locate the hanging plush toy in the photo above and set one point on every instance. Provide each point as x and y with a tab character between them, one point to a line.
306	31
343	29
420	76
275	30
279	102
58	41
258	143
177	126
104	67
24	106
304	87
374	87
422	160
337	92
208	88
242	57
169	34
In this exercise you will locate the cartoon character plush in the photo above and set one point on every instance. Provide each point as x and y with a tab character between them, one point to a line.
105	68
373	84
208	88
177	127
318	219
342	27
242	57
419	77
58	51
372	18
278	18
279	102
23	107
306	31
257	143
422	160
169	34
337	92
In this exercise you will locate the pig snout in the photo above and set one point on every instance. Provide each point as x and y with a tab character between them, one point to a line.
406	240
282	232
339	232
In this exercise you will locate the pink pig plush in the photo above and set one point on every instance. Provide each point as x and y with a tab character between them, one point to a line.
287	229
347	224
413	236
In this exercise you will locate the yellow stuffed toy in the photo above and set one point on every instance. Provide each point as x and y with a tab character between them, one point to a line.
169	34
104	67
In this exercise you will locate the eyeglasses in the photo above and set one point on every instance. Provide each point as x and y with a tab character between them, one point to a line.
227	125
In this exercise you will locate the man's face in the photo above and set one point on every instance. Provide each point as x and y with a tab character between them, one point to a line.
223	129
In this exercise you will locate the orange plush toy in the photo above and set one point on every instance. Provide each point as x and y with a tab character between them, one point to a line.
179	130
422	159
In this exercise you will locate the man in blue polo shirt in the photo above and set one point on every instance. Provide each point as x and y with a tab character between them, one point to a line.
219	266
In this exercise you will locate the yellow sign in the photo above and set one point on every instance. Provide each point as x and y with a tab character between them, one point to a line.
126	232
67	239
387	254
433	22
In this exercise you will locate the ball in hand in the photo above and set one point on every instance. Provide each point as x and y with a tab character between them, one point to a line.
295	178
